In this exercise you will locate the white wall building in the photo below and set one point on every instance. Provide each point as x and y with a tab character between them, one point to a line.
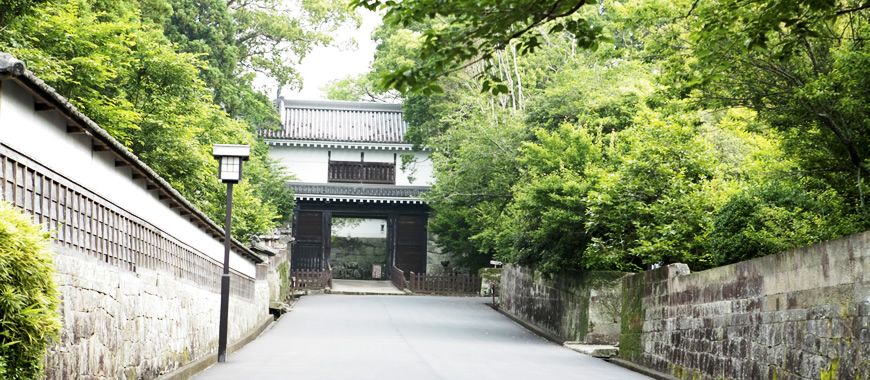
347	159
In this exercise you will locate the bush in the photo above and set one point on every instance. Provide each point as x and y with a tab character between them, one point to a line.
29	318
778	216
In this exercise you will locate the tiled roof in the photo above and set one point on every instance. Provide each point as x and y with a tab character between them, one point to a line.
328	120
358	193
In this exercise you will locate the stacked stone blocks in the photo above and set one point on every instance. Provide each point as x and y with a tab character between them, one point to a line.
800	314
123	325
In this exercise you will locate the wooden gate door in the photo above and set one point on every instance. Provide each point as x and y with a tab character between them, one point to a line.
411	243
312	233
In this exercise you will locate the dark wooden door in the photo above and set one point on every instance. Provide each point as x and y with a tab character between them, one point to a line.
312	237
411	243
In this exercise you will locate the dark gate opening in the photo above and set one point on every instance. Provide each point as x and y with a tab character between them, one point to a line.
358	248
404	227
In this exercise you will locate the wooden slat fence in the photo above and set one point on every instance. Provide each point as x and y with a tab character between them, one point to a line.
307	279
81	220
449	283
397	276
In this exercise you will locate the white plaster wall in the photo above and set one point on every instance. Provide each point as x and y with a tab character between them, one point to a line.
307	164
367	228
42	137
310	164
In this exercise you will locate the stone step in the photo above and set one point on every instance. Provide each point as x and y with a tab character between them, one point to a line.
593	350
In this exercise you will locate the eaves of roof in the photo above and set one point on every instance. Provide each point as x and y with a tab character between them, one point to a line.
13	69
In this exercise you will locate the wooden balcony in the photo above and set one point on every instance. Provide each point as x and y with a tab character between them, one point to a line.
362	172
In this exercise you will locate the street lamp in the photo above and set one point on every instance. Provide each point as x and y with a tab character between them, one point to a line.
230	159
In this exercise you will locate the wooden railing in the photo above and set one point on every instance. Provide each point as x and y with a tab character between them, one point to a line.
307	279
362	172
448	283
397	276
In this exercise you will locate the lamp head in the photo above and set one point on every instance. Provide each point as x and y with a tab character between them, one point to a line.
230	159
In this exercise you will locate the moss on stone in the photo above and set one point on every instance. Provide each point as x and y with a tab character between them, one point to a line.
831	373
284	287
632	317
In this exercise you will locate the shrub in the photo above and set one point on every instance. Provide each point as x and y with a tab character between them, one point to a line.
29	318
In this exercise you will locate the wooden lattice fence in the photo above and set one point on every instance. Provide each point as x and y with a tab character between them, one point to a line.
307	279
448	283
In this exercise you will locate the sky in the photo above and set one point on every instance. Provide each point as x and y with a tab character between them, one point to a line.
327	63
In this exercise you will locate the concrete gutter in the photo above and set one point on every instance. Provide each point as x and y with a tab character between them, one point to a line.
534	329
572	346
641	369
190	369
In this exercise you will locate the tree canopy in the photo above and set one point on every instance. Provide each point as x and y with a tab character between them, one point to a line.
696	133
170	78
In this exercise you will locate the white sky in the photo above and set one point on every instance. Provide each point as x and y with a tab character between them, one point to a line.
324	64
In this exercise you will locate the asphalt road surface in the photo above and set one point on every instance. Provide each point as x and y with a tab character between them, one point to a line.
407	338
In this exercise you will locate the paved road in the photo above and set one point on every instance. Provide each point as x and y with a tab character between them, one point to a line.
408	338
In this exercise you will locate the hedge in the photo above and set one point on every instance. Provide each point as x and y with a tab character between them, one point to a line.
29	318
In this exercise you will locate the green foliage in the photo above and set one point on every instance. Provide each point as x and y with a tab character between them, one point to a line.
685	141
777	216
459	34
10	9
28	296
656	207
550	203
238	39
121	71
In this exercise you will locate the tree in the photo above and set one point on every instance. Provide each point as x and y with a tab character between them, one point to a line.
801	65
242	39
461	34
125	75
10	9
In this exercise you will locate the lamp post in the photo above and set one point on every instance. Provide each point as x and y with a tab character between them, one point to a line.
230	159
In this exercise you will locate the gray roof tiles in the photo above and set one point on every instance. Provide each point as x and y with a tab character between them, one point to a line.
324	120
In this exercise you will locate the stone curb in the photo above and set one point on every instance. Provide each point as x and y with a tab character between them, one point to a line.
352	293
190	369
552	338
641	369
527	326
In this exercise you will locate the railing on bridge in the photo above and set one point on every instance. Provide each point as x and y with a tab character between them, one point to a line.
448	283
397	276
308	279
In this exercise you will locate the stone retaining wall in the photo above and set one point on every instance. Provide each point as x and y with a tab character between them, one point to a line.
800	314
123	325
572	306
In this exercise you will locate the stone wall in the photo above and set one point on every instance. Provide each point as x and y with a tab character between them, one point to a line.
572	306
352	257
123	325
800	314
434	257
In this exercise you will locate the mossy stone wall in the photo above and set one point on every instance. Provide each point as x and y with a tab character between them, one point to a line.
800	314
572	306
352	257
